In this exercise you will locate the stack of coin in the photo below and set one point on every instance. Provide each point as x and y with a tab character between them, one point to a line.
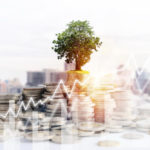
108	143
143	126
8	109
35	126
64	129
65	139
56	104
143	111
44	123
57	123
32	121
132	136
32	92
106	83
39	136
81	108
66	134
113	128
90	128
123	113
7	101
54	90
1	127
103	106
146	97
5	129
50	90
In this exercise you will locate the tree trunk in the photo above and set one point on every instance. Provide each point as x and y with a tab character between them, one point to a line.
78	67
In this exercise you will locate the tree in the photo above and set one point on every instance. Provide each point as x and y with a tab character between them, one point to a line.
76	43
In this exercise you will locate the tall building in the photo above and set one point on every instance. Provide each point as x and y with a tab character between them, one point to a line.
70	66
47	73
55	77
14	86
10	86
3	87
35	78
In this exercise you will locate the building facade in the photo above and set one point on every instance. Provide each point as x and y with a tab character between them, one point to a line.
35	78
55	77
11	86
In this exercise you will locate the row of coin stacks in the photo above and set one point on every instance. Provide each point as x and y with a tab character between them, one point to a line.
118	106
81	108
59	126
51	116
33	122
129	115
89	115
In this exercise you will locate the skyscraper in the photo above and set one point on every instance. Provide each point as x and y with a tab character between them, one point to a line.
55	77
47	73
35	78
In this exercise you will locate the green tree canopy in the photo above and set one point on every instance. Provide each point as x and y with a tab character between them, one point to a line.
76	43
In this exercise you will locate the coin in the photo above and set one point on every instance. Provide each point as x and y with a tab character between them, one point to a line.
59	132
143	130
30	114
91	126
123	118
85	133
114	130
57	119
67	139
85	110
57	105
76	114
113	126
124	123
143	124
108	143
39	136
132	136
121	94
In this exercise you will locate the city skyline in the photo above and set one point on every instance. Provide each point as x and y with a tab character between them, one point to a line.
45	71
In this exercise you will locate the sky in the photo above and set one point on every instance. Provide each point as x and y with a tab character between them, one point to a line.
28	27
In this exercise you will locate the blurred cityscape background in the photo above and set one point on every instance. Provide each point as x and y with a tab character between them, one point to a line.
137	80
35	78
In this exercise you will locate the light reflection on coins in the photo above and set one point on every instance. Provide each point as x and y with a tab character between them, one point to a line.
108	143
